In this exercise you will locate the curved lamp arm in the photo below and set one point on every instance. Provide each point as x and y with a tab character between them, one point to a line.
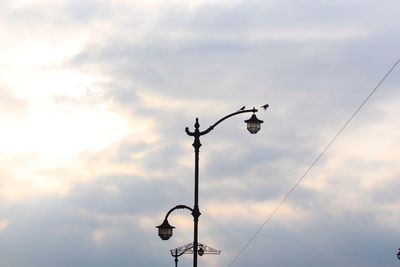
197	131
177	207
165	229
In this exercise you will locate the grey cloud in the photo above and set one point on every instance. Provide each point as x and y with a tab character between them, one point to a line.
56	13
213	69
84	12
312	85
352	238
358	245
59	231
65	246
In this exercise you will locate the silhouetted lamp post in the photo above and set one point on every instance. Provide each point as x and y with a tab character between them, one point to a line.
165	230
398	254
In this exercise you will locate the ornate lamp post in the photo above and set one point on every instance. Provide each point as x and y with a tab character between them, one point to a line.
165	229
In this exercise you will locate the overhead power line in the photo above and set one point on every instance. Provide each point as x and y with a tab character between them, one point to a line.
268	218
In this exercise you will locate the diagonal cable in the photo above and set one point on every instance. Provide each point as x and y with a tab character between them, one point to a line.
313	164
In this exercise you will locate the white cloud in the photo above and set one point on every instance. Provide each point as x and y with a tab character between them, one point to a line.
95	98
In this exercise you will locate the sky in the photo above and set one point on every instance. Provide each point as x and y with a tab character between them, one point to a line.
95	97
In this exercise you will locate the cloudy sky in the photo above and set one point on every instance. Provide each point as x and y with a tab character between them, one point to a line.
95	97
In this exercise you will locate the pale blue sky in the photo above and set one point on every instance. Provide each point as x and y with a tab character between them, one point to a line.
95	97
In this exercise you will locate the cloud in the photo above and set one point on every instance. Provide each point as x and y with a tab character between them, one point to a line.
98	96
12	106
4	224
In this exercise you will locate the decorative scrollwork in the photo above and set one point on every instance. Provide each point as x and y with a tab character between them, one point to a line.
188	249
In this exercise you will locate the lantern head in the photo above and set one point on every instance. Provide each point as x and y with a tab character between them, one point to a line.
200	251
165	230
253	124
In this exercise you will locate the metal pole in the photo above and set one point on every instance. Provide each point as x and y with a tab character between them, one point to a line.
196	210
176	257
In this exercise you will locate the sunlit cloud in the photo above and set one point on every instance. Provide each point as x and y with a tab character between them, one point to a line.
95	97
364	158
4	224
253	211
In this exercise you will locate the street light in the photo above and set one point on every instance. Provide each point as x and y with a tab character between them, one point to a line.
165	229
253	124
398	254
201	251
